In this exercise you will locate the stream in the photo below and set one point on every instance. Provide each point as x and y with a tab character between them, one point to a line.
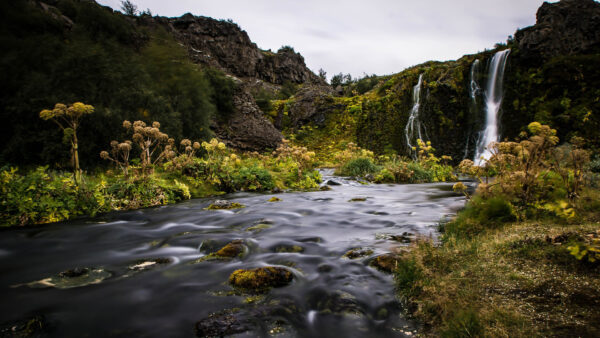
140	273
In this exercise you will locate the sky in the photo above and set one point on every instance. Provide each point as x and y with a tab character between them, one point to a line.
364	36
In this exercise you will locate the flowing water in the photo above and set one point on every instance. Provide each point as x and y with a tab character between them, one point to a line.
143	278
493	102
413	126
474	92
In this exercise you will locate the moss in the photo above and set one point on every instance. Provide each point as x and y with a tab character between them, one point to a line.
259	227
229	206
260	280
230	251
274	199
358	199
289	248
358	253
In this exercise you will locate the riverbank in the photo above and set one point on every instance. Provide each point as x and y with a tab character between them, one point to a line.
520	281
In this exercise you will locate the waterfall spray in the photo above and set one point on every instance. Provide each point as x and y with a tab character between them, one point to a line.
493	102
413	126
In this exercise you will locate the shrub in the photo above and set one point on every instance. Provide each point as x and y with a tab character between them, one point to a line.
480	214
359	167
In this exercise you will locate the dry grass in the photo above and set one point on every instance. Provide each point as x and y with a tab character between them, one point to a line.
516	281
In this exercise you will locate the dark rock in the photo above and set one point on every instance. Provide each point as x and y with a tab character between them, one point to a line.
224	45
311	104
324	268
247	128
222	324
332	182
358	253
566	27
36	326
230	251
74	272
325	188
260	279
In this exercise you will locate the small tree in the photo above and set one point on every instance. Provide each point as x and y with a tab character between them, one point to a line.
129	8
323	74
67	118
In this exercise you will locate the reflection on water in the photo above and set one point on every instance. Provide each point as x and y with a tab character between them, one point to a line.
157	290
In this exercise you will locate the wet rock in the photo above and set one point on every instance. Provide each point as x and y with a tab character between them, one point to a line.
260	279
324	268
405	237
147	264
386	262
259	227
325	188
36	326
230	251
357	199
68	279
224	205
288	248
339	303
358	253
275	199
222	324
332	182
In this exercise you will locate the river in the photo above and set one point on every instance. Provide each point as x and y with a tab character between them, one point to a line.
144	277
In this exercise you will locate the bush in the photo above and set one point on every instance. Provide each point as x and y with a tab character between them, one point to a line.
481	214
252	179
359	167
43	197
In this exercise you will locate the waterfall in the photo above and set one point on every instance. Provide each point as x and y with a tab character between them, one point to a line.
493	101
474	91
413	126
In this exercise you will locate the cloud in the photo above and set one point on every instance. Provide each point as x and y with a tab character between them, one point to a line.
356	36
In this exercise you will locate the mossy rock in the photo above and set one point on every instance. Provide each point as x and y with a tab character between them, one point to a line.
260	280
224	205
358	253
358	199
275	199
386	263
288	248
325	188
73	278
259	227
230	251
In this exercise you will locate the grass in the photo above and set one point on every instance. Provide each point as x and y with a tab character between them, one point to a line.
518	280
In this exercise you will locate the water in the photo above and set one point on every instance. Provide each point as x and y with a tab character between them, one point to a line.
493	102
330	296
413	126
474	92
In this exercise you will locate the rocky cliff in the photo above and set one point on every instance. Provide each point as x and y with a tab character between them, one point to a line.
567	27
224	45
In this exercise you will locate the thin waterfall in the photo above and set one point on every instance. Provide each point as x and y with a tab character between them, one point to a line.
474	91
493	102
413	127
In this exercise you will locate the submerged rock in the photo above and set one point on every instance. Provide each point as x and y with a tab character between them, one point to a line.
325	188
386	263
36	326
230	251
259	227
221	324
358	253
288	248
332	182
74	278
260	279
275	199
358	199
224	205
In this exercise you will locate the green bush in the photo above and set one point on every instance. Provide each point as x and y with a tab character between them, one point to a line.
481	214
44	197
251	179
359	167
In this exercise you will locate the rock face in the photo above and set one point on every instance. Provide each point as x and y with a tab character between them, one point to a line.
311	104
224	45
567	27
247	128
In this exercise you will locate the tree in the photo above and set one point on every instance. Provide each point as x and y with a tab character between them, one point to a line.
337	80
129	8
67	118
323	74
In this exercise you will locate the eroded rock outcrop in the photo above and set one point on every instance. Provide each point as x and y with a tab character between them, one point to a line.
224	45
563	28
247	128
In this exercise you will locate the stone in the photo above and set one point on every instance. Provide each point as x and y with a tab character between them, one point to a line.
224	205
358	253
261	279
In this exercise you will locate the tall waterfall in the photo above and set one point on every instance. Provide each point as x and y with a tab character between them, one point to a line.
493	101
474	92
413	127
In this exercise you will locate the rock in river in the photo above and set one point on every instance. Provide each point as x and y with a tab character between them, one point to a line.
260	279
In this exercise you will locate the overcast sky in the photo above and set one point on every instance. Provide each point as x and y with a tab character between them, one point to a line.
364	36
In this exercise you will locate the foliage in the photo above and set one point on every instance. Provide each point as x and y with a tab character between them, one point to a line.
68	119
359	167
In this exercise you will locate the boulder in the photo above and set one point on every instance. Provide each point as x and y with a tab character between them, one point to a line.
260	279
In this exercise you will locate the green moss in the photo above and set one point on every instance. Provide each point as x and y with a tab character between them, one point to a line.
274	199
233	205
260	280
